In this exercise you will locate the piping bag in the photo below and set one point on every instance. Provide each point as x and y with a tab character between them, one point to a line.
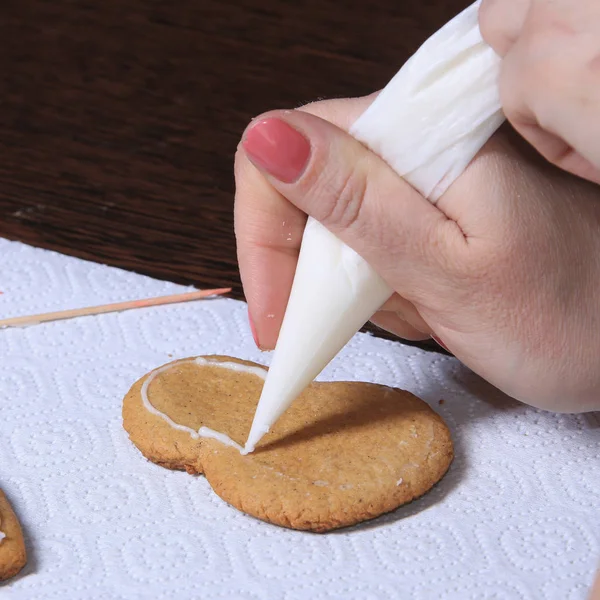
428	123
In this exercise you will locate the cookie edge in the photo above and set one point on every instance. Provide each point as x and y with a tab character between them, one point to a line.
18	562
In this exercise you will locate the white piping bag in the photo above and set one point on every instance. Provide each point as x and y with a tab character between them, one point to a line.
428	124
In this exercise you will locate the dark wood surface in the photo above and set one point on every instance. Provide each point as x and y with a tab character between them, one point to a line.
119	119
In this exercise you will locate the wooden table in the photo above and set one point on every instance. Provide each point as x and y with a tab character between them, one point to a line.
119	119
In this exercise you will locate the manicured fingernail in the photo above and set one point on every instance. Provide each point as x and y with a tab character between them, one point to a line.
253	329
438	341
277	148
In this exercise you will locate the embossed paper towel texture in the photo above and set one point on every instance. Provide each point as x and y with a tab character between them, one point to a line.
517	517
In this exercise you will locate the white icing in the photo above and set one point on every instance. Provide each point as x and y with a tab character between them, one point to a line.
207	432
203	432
399	482
2	536
428	123
232	366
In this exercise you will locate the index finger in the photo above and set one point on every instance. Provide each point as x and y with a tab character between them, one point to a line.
269	230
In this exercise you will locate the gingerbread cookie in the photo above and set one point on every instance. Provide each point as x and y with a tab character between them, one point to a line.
12	546
343	453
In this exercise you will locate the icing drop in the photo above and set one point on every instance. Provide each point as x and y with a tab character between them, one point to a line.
203	432
2	536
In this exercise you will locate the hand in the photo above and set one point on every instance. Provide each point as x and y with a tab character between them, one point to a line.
595	593
505	269
550	76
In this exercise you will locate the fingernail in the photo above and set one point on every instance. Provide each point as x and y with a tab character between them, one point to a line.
253	329
438	341
277	148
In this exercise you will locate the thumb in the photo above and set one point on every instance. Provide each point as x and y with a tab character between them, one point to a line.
332	177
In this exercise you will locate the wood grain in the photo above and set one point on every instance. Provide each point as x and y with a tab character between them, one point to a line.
119	119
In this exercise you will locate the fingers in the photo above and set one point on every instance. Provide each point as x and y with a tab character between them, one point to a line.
400	317
327	174
406	312
501	21
394	323
555	150
269	231
550	88
550	76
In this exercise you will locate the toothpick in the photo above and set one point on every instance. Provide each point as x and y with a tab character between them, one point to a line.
108	308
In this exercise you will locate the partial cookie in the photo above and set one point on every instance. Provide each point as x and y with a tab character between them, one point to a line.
343	453
12	546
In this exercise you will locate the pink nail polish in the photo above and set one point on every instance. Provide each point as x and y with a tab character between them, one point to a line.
438	341
253	329
277	148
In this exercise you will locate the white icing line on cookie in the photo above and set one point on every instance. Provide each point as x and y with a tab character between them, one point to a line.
150	407
2	536
204	432
232	366
207	432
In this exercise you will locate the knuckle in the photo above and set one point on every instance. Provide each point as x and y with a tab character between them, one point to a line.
501	22
531	78
341	194
493	24
487	18
510	86
542	79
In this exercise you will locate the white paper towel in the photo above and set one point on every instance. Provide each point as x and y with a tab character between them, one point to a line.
517	516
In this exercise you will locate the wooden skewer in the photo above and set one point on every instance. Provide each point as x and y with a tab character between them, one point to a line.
107	308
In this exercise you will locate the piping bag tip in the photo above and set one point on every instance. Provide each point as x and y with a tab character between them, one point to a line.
334	294
254	437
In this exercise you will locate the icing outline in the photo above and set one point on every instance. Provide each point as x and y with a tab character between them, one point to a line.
203	432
